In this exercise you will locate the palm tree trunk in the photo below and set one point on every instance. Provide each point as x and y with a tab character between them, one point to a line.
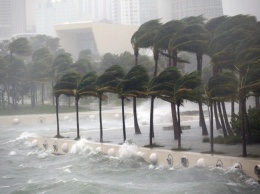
42	93
57	117
248	130
175	121
232	107
100	118
123	117
151	122
202	120
257	102
52	85
230	132
77	116
33	95
8	97
218	125
137	128
136	125
222	120
174	58
211	129
3	99
179	127
242	113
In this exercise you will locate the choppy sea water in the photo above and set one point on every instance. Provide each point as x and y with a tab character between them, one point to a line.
27	169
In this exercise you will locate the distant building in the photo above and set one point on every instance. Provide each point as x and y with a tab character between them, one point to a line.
12	18
135	12
185	8
98	37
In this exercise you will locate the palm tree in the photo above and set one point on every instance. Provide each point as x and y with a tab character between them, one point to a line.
160	86
235	45
192	37
61	65
221	87
185	88
107	82
66	85
134	84
86	87
161	41
144	38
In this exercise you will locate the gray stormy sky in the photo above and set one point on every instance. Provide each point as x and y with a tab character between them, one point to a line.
234	7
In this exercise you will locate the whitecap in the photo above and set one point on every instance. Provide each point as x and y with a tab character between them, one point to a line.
12	153
152	166
67	170
23	136
42	155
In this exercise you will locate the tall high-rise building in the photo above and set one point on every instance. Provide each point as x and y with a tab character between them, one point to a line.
185	8
137	12
95	10
126	12
12	18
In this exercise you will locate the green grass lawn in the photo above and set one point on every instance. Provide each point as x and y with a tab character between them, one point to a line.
38	109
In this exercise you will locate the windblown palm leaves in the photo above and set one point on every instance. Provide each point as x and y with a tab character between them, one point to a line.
185	88
235	45
107	82
221	87
161	87
134	84
71	84
173	87
144	38
67	84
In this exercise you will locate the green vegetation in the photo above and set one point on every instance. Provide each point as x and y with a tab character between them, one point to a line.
253	122
230	140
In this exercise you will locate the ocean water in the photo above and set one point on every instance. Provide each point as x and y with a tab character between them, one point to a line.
25	169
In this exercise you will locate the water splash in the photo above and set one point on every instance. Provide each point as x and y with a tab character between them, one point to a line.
80	147
129	150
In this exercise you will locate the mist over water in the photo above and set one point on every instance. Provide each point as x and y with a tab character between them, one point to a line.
28	169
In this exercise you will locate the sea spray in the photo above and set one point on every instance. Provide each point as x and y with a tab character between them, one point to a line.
81	147
128	150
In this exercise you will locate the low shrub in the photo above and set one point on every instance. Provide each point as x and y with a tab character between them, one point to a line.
253	118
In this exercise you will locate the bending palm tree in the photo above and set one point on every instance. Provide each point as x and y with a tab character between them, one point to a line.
66	85
160	87
107	82
134	84
221	87
86	87
143	38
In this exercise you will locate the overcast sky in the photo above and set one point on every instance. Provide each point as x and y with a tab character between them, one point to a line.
234	7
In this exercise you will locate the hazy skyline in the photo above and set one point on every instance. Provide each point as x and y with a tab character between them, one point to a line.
235	7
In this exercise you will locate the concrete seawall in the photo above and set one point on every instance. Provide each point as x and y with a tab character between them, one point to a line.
155	156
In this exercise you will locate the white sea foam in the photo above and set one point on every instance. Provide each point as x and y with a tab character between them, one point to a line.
23	136
12	153
128	150
80	147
